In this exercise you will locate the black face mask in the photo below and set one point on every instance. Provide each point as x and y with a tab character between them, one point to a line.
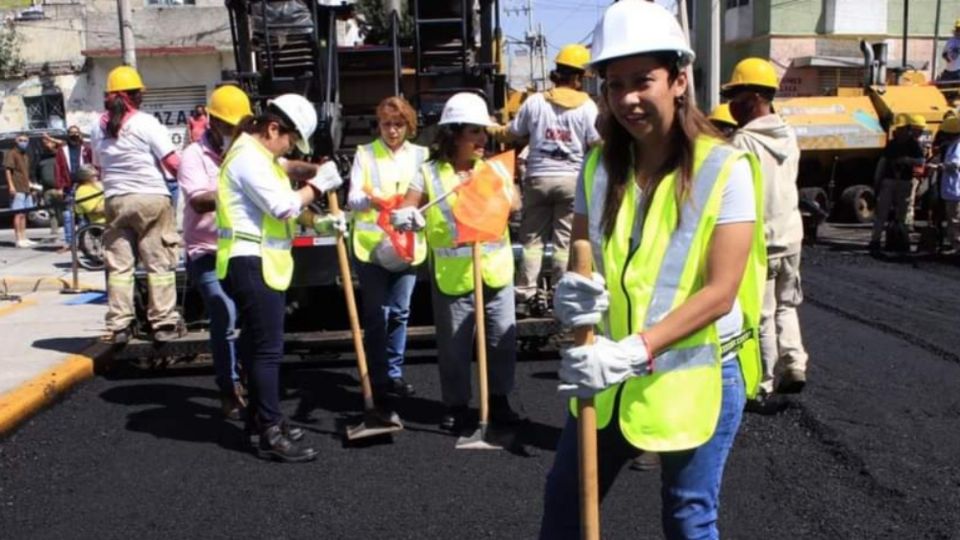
75	138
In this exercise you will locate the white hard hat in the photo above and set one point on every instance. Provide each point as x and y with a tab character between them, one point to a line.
465	108
386	256
631	27
303	115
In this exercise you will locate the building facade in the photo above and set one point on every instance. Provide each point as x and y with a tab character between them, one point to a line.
815	44
69	46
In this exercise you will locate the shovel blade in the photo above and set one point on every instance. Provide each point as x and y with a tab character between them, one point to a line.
375	425
478	440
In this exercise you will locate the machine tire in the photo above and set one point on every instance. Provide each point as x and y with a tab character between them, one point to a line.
816	195
858	203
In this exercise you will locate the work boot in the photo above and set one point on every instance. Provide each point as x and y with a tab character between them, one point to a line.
522	310
647	461
454	419
122	336
276	445
232	402
401	388
791	382
765	404
169	332
501	413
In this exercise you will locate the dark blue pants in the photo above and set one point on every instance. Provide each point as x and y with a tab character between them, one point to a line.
260	348
689	480
223	319
386	310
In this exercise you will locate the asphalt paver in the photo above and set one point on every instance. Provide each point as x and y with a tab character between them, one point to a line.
869	450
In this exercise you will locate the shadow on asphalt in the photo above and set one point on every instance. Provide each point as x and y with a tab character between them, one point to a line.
176	414
69	345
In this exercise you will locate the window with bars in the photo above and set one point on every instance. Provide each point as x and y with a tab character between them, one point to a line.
45	111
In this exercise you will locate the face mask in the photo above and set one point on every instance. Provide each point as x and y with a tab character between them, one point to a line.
23	145
75	138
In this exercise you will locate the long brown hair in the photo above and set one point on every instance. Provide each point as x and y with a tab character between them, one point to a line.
118	105
618	148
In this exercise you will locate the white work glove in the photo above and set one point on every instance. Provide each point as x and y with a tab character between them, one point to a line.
358	201
588	369
580	301
330	224
407	219
327	177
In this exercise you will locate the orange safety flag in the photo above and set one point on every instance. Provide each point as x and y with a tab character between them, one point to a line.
482	208
403	242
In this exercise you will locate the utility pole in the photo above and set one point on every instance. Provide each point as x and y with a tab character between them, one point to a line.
906	31
125	16
685	23
713	71
536	45
936	44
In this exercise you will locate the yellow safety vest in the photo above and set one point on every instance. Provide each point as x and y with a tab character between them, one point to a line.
375	162
453	263
676	407
276	235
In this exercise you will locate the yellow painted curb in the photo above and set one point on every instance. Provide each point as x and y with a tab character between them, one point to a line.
22	284
22	402
16	306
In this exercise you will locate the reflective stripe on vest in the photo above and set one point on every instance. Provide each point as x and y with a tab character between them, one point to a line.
676	407
453	264
276	236
367	234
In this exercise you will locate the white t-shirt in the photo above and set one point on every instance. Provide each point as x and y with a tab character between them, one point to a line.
952	50
559	137
738	205
130	163
254	189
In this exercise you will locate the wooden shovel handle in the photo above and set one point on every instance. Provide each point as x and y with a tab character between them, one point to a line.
581	262
351	300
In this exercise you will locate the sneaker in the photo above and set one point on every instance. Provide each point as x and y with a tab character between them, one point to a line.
169	332
401	388
28	243
276	445
791	382
121	337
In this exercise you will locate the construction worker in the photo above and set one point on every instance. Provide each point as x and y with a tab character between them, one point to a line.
752	87
255	211
384	169
130	147
895	174
950	180
198	177
674	216
721	118
460	142
560	124
951	53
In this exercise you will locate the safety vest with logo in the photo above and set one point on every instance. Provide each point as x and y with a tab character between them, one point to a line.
276	235
678	405
377	166
453	263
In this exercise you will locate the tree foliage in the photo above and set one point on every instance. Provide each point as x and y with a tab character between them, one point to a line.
10	61
376	22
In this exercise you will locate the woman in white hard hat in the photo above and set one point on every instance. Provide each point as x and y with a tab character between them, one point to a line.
385	168
130	147
674	218
255	211
460	145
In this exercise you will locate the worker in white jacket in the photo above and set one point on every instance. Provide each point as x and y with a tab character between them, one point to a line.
762	132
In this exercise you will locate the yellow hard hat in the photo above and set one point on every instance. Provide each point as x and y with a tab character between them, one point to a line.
916	120
721	113
230	104
574	55
124	78
753	72
951	125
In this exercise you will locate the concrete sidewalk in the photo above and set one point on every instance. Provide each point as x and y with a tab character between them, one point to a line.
46	336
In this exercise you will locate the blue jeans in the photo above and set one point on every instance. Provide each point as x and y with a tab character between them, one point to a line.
223	319
386	310
689	480
260	347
